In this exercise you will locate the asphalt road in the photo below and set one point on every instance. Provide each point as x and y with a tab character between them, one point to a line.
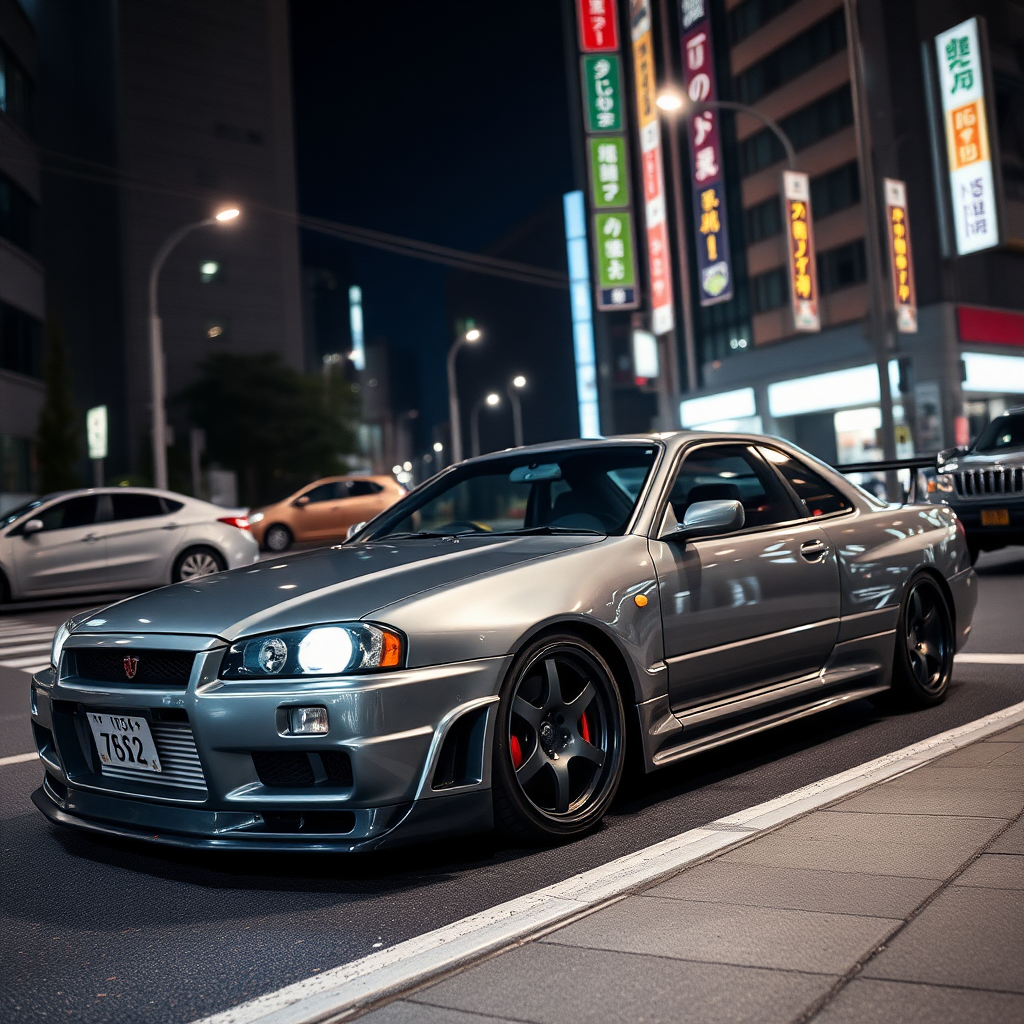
101	931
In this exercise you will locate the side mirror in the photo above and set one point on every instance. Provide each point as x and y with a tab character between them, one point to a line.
354	529
32	526
301	502
707	517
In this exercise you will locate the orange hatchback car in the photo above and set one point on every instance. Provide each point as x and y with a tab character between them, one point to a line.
323	510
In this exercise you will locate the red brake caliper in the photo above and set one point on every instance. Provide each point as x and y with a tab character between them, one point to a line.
585	729
516	750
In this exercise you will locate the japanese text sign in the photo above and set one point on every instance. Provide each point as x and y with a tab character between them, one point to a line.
803	274
900	258
714	276
971	181
616	270
602	88
599	25
609	172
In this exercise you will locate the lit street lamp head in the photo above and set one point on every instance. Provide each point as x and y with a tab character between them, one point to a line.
669	101
227	215
519	382
474	335
438	447
493	399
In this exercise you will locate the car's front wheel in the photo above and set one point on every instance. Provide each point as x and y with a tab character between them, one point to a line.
925	645
196	562
277	538
559	744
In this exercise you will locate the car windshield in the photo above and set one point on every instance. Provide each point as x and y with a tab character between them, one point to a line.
1006	431
574	490
12	515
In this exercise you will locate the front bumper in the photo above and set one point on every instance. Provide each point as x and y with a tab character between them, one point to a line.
987	536
414	745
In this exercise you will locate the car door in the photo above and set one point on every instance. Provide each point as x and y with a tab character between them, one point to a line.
68	554
750	608
364	500
141	541
318	517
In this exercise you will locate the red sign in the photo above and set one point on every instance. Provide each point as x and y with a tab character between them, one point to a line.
990	326
599	26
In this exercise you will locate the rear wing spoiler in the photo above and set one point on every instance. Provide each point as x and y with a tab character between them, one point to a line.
913	466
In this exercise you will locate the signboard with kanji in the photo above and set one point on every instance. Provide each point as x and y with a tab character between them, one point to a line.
616	267
609	172
900	258
714	270
803	274
603	92
971	181
599	25
659	257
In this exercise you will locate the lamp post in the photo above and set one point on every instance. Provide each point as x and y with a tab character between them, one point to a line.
471	336
518	383
493	399
156	345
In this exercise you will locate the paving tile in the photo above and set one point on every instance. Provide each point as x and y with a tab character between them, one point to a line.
923	846
1014	757
1016	733
796	940
932	776
1011	841
552	984
977	753
868	1002
963	802
969	937
403	1012
995	871
831	892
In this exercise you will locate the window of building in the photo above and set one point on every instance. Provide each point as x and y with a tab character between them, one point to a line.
19	216
750	15
800	54
825	116
21	342
835	190
216	328
17	465
842	267
15	90
768	290
764	220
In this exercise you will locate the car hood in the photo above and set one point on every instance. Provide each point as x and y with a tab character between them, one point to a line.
984	460
327	585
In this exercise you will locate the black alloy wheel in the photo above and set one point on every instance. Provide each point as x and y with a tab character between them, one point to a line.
559	745
277	538
924	645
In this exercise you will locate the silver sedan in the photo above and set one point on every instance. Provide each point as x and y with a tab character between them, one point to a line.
122	538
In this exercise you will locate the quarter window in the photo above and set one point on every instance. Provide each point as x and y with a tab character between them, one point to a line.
818	497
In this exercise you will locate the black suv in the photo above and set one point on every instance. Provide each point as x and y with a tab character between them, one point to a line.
984	484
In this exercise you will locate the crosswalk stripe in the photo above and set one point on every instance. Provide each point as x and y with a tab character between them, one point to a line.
25	645
22	649
26	664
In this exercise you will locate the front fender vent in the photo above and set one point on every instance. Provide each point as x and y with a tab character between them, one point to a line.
461	761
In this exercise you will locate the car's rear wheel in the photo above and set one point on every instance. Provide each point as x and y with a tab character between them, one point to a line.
559	745
924	645
196	562
277	537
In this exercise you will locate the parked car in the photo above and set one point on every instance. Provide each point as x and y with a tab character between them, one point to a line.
121	538
984	484
323	510
489	649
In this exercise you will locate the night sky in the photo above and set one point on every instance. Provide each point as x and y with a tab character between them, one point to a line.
446	123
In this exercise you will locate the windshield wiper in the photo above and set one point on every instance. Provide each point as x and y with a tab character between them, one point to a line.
544	531
417	534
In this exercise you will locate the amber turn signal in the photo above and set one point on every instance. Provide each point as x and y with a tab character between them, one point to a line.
391	655
640	601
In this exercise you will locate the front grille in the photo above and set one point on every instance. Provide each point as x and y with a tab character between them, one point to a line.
179	759
151	668
295	768
989	483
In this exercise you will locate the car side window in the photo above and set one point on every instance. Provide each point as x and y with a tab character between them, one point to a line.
323	492
67	514
819	497
732	472
136	506
362	488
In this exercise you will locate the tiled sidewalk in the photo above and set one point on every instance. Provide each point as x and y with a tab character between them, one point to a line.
903	903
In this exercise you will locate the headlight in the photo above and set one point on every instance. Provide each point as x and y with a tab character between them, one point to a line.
256	517
939	486
57	647
328	650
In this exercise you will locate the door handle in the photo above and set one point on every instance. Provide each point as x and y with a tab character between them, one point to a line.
813	550
90	537
169	526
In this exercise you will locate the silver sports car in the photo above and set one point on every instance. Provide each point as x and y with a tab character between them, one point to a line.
494	647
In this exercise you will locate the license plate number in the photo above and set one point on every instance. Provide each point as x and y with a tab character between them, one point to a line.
124	741
995	517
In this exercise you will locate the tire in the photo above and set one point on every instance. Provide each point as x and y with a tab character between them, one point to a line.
559	744
277	538
193	563
973	551
923	659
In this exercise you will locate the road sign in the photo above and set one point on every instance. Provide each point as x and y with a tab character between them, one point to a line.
96	431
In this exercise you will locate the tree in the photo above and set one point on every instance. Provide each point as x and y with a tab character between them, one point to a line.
276	427
57	434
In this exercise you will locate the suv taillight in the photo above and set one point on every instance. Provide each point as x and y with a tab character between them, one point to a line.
240	521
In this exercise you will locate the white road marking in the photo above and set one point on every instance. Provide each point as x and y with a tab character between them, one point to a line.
391	971
18	758
25	645
990	659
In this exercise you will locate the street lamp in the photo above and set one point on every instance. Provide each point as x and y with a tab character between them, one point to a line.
492	400
156	345
518	383
471	336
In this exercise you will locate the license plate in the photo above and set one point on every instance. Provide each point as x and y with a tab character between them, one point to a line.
995	517
123	741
